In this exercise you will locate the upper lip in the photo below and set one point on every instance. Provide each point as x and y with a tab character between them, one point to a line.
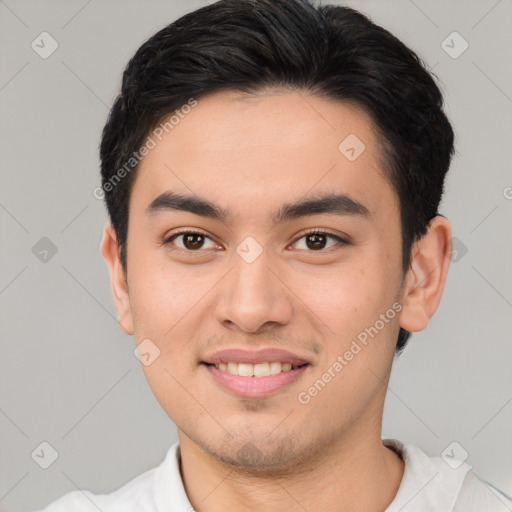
268	355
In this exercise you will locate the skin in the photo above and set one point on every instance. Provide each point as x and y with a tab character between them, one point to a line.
252	154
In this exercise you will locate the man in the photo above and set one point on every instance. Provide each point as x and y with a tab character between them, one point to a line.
272	171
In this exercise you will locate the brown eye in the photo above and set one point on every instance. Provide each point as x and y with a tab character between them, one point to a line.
318	240
193	241
190	241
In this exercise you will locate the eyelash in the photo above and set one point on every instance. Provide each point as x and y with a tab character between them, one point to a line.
313	231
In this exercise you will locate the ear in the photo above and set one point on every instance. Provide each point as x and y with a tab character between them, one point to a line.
426	276
118	282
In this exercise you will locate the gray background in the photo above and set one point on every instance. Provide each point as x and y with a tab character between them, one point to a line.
68	375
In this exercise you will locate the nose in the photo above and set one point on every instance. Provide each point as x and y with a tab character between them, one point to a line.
254	296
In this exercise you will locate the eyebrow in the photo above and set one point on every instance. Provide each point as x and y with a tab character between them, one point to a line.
337	204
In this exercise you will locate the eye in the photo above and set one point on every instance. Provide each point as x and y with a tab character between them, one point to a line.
317	240
191	241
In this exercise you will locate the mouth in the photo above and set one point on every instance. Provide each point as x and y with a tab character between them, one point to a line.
256	370
256	374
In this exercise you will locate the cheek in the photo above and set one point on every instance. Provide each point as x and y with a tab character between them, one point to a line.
169	304
348	303
160	295
345	297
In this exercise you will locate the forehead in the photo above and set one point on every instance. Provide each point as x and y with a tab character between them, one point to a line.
291	120
253	150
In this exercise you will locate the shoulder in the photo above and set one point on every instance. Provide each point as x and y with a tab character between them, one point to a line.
477	495
138	494
441	484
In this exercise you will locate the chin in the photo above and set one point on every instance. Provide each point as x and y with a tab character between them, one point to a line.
260	454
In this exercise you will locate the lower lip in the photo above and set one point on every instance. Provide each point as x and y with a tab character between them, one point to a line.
256	387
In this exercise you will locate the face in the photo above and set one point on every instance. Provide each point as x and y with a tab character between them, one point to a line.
273	294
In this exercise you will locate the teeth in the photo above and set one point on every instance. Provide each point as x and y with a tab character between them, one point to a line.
275	368
254	370
261	370
233	368
245	370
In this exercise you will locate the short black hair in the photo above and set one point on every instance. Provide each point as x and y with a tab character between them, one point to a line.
249	45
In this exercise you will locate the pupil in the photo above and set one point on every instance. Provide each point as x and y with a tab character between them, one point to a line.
190	243
318	241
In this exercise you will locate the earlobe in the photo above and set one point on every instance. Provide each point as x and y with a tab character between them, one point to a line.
426	276
118	282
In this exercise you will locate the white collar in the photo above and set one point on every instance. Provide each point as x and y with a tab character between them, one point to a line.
428	483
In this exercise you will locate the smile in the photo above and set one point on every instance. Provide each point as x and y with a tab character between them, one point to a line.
256	370
255	381
253	373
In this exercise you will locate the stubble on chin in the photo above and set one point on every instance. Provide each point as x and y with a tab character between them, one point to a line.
270	456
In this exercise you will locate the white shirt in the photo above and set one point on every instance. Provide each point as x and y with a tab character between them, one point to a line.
428	484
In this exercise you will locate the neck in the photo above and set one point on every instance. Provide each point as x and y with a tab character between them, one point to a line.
356	473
